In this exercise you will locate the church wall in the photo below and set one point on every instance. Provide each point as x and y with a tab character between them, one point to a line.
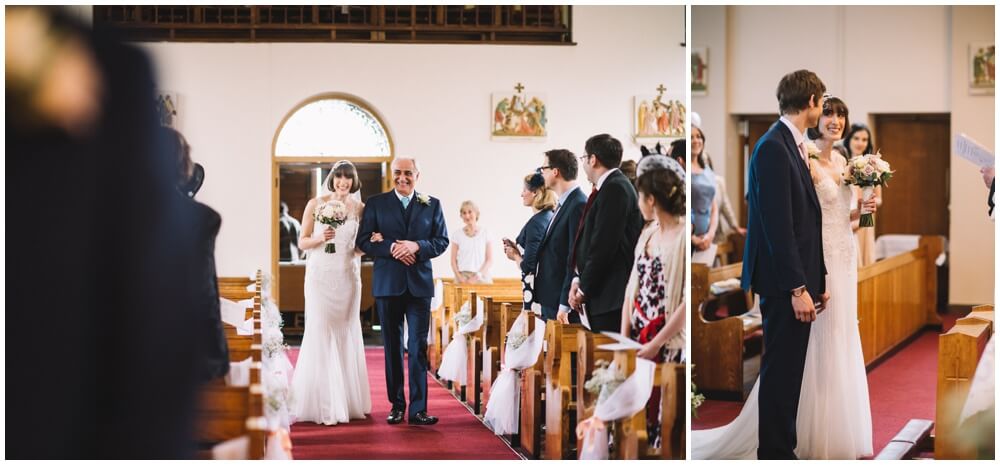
436	104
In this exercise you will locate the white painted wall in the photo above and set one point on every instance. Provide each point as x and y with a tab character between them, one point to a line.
973	236
885	59
436	101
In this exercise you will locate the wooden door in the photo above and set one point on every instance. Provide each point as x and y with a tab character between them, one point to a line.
917	198
752	128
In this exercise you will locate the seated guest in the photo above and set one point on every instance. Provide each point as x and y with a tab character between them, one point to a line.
542	201
653	311
471	252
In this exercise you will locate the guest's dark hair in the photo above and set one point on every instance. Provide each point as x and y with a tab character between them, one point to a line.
545	198
564	161
795	89
344	169
175	145
678	151
607	149
831	106
628	169
666	187
703	159
857	127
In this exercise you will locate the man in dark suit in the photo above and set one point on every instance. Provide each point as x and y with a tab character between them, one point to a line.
605	239
783	259
413	232
552	280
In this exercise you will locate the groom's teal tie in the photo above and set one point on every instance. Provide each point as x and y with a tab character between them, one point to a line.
406	202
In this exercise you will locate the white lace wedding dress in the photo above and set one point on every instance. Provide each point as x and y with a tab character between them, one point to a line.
834	417
330	384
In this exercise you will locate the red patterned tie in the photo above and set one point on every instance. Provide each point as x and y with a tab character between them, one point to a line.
579	228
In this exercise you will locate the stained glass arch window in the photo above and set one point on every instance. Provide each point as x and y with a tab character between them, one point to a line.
333	127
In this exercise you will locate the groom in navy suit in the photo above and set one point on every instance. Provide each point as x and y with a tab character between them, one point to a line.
409	231
783	259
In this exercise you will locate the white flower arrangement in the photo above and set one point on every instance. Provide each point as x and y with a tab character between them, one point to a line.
515	340
812	150
464	315
274	347
333	214
603	381
424	199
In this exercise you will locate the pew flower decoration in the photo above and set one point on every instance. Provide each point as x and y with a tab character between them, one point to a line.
514	340
696	399
464	315
603	380
424	199
867	172
332	214
274	346
812	150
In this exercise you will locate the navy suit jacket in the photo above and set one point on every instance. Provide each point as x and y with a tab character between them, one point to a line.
423	224
552	280
784	246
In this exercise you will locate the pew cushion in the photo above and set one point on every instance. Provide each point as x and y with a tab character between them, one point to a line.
905	443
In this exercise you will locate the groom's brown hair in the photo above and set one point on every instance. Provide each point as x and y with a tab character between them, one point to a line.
795	89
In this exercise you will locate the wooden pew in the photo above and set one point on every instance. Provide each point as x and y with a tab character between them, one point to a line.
532	403
959	351
490	340
718	347
587	356
436	346
235	289
463	293
673	424
560	389
897	297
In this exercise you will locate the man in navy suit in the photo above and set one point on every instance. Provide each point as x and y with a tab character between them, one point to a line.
412	230
783	259
552	280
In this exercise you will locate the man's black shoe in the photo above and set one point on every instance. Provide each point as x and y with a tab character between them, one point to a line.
422	418
395	417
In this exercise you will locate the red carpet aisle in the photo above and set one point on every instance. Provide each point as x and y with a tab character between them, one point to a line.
459	435
900	388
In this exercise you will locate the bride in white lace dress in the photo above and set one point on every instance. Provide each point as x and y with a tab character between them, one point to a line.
834	415
330	384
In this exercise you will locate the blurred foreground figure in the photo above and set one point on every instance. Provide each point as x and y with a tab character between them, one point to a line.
98	363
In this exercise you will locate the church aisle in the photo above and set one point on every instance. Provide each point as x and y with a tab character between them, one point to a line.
900	388
458	435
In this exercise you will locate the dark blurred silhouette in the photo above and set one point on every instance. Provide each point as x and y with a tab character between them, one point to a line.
100	359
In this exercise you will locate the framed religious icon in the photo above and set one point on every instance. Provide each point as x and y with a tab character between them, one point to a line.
166	108
518	115
658	117
982	68
699	71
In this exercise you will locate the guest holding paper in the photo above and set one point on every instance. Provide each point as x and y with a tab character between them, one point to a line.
524	250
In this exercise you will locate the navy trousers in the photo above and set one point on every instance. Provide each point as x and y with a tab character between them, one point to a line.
416	311
781	366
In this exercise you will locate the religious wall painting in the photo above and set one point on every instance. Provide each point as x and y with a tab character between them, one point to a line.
699	71
982	68
518	114
659	116
166	108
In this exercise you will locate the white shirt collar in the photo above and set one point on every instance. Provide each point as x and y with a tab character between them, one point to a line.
798	136
600	182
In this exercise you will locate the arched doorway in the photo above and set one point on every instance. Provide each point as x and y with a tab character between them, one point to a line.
313	135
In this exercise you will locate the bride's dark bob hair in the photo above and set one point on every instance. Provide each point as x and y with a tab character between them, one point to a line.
831	106
344	169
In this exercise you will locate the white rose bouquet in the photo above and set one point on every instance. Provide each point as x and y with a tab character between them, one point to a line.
332	214
868	171
604	380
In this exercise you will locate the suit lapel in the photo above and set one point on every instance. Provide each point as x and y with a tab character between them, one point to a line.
555	221
800	165
412	210
397	211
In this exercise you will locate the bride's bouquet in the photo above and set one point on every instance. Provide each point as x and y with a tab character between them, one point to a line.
332	214
868	171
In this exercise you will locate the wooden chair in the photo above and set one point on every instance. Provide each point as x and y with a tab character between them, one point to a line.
560	389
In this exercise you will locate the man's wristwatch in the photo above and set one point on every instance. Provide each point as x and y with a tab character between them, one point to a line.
798	291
